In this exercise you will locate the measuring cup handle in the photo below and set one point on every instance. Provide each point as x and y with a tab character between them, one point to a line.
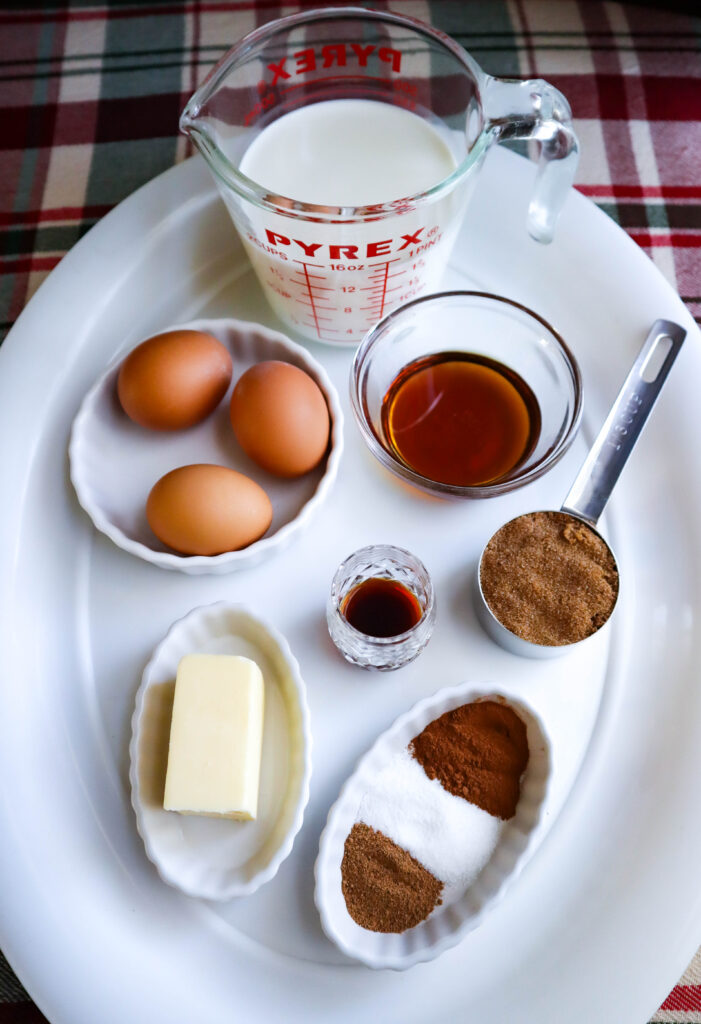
535	110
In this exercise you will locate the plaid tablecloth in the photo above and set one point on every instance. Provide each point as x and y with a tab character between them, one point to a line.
78	136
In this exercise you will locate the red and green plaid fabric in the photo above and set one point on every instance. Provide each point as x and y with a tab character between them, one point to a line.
91	94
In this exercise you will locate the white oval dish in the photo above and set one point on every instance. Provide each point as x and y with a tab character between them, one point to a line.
446	925
114	463
216	858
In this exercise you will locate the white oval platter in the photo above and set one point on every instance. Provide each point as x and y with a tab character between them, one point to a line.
603	918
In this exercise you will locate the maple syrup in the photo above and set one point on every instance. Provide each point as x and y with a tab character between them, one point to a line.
460	418
381	607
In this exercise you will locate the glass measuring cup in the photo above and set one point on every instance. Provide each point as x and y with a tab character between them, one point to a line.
331	272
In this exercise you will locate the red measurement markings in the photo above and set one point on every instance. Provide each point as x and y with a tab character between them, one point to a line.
310	288
324	334
308	276
314	305
317	287
380	290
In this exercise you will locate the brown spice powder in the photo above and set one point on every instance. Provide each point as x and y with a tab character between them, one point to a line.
385	888
549	578
479	752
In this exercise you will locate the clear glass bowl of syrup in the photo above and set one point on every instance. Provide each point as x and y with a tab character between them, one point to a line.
466	394
381	608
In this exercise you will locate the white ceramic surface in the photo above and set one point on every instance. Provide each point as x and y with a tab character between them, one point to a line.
115	463
447	925
603	918
213	858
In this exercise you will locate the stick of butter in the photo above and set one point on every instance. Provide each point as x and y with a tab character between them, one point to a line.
216	735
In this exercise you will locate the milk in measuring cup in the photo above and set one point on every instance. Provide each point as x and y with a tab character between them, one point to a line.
332	282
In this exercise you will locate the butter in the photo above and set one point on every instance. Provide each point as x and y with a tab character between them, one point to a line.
216	736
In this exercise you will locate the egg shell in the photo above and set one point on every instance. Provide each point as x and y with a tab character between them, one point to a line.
280	418
174	380
205	510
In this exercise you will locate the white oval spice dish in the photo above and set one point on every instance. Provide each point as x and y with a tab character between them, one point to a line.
216	858
114	463
460	911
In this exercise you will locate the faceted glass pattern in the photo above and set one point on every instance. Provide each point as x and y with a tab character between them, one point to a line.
382	653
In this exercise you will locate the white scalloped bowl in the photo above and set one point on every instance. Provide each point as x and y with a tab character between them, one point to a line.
214	858
446	925
114	463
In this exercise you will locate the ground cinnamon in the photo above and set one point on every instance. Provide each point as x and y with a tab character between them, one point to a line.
478	752
385	888
549	578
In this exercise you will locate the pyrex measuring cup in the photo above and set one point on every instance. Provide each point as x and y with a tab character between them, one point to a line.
331	272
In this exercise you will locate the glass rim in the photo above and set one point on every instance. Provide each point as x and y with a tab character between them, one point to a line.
488	490
407	558
286	206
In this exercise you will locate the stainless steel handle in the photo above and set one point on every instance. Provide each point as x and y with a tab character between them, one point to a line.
616	440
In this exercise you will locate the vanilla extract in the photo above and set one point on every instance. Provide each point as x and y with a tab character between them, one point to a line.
381	607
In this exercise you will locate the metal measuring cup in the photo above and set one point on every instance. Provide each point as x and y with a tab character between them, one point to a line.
600	471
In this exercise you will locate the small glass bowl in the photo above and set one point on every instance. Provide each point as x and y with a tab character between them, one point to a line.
487	325
387	562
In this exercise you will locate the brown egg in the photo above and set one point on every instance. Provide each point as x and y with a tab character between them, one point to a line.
205	510
280	418
174	380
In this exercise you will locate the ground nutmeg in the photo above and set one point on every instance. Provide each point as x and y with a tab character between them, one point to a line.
385	888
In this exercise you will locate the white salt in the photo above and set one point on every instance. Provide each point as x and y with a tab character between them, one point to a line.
451	837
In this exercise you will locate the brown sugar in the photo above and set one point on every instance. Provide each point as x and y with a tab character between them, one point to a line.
385	888
549	578
479	752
